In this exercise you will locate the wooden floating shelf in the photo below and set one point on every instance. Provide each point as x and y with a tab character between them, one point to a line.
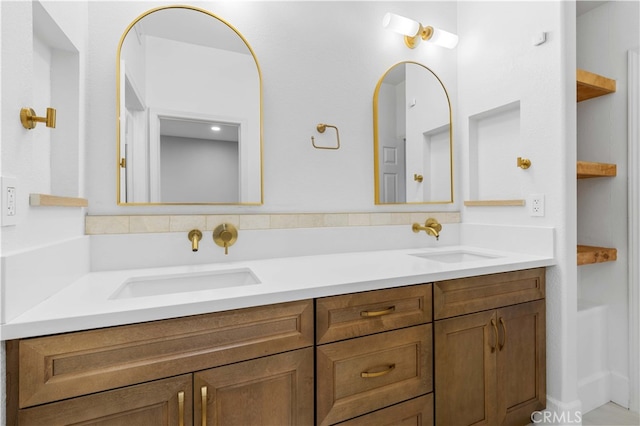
588	169
488	203
591	254
46	200
590	85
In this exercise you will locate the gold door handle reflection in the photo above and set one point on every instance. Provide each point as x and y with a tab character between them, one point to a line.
181	408
495	335
504	334
387	311
203	409
368	375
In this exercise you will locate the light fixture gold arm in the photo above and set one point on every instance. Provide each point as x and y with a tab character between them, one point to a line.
29	119
424	33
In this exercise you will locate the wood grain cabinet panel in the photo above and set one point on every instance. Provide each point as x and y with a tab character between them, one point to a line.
63	366
474	294
164	402
490	366
415	412
521	361
361	375
360	314
274	390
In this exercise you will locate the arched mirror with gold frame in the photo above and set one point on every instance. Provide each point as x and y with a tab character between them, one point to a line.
188	111
413	137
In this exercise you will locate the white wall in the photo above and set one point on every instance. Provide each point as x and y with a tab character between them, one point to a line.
29	73
193	170
25	153
602	203
320	63
499	65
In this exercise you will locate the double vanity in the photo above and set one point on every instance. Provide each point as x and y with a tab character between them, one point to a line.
454	335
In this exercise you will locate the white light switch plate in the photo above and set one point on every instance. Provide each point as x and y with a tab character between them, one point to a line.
9	201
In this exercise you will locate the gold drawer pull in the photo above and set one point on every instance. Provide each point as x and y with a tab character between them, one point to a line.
366	374
504	334
368	314
181	408
495	335
203	395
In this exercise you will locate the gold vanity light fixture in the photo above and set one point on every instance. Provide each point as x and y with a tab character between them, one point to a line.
29	119
414	32
524	163
195	236
225	235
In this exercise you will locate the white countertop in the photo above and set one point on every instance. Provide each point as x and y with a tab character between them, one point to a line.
86	303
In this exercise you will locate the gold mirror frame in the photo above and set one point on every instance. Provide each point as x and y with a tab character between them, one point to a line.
376	140
120	162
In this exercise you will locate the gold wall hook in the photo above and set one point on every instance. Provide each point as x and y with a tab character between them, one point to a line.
524	163
195	236
321	128
225	235
29	119
417	177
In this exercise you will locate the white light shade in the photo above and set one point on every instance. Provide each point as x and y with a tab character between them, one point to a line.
400	24
444	38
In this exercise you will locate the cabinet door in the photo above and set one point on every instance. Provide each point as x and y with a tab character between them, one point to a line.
521	362
274	390
465	369
161	402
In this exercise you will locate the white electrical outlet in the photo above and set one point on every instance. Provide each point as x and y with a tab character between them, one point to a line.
536	205
9	201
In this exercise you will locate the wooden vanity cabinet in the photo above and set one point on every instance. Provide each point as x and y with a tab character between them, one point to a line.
490	366
119	375
378	353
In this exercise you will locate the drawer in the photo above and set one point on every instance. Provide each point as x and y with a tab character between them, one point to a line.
360	314
475	294
67	365
415	412
356	376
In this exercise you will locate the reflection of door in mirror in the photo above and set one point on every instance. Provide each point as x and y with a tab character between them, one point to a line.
412	137
188	69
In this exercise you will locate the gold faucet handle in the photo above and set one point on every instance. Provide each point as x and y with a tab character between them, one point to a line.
225	235
433	223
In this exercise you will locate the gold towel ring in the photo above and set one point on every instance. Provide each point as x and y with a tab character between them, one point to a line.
321	129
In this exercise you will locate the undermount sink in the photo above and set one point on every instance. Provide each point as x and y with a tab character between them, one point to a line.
454	256
184	283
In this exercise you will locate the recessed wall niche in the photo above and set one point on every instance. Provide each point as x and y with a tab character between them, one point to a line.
494	146
56	152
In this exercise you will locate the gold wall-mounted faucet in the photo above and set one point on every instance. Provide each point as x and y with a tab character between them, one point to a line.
225	235
431	227
195	236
